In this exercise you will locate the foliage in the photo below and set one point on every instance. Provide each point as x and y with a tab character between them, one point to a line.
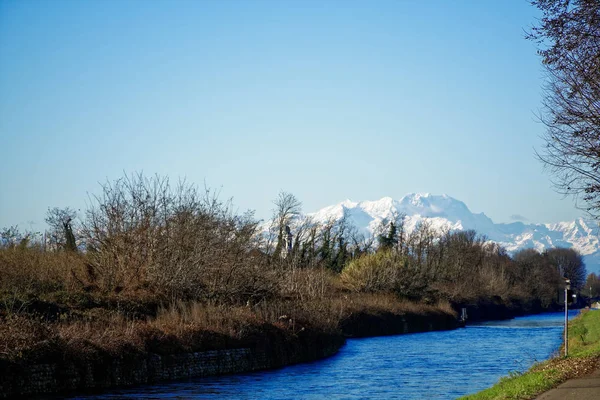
372	272
460	266
383	271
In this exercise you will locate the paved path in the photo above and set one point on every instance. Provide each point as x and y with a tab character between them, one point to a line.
587	388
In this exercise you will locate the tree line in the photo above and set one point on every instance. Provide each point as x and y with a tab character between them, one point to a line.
144	233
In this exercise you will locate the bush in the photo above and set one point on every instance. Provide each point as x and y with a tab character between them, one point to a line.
379	272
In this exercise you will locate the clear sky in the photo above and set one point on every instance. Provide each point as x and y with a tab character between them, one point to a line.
327	100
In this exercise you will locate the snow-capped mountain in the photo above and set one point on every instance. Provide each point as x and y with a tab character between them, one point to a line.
446	212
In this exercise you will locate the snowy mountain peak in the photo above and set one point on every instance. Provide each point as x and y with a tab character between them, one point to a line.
348	203
416	198
432	206
445	212
382	207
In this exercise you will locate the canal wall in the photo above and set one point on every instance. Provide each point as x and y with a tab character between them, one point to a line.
70	373
365	324
104	372
496	308
385	323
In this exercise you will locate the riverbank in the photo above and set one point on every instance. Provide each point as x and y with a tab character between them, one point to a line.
76	342
74	373
99	343
583	359
80	365
410	366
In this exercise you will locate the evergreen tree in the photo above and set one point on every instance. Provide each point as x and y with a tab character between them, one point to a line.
387	242
325	249
70	244
341	256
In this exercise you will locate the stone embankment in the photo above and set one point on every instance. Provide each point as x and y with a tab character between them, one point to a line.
77	375
69	374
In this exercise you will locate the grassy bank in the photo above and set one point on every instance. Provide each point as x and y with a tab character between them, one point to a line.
584	357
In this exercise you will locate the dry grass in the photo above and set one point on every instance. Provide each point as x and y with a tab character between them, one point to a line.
141	319
385	302
31	271
181	318
194	326
20	334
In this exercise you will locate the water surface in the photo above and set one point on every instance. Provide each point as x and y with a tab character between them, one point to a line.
432	365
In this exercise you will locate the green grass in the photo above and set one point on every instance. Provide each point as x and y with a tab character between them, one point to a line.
584	346
524	386
584	335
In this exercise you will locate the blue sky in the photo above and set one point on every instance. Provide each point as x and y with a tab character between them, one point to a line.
327	100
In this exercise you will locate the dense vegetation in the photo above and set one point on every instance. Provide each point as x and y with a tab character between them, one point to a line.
156	267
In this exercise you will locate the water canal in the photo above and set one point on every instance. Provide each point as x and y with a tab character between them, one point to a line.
432	365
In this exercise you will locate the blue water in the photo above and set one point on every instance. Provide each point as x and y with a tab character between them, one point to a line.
432	365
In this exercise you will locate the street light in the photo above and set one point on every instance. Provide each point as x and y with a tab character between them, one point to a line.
567	288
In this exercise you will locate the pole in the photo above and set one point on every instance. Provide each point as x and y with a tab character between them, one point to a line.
566	325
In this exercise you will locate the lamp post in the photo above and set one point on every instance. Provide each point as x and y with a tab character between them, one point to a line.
567	287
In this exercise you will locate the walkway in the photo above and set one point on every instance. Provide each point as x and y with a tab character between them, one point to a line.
586	388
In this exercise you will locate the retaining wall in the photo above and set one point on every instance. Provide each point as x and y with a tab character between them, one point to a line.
76	376
65	373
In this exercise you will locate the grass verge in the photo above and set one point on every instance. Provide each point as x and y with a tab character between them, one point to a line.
584	358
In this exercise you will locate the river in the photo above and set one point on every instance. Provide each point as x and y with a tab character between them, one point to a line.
432	365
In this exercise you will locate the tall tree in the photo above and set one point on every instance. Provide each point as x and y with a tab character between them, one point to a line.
568	39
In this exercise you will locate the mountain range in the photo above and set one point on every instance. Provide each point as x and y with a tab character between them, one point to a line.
445	212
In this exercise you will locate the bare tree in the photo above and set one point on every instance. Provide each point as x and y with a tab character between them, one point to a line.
569	263
569	38
301	237
287	207
12	237
177	240
61	235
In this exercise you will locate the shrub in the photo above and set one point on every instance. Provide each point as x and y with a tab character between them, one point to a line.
377	272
